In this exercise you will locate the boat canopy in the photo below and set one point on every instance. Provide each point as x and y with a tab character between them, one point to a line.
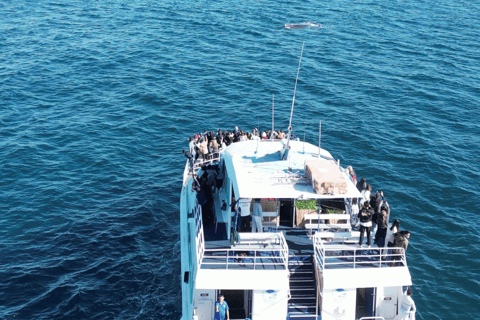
257	171
366	278
242	279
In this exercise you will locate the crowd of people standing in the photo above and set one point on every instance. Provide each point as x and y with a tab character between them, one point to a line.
374	210
208	144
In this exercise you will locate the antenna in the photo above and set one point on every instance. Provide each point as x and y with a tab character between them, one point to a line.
258	128
287	146
273	115
319	139
295	90
304	126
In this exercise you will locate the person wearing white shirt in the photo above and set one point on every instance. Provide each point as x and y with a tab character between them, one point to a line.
244	205
366	194
407	307
257	216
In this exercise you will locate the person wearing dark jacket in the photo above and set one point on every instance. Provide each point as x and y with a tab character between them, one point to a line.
362	185
365	216
382	216
401	242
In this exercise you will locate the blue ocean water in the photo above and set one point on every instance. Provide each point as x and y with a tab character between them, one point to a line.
98	98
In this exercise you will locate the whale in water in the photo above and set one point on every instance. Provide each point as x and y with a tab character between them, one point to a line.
302	25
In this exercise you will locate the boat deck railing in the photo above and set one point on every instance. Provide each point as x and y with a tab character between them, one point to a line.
270	254
211	159
344	256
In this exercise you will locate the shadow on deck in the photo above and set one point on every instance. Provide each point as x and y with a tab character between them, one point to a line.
297	241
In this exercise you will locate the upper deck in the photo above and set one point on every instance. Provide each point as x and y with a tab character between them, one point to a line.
305	255
257	170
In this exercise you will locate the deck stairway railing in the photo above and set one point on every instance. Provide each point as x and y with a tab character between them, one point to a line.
343	256
269	254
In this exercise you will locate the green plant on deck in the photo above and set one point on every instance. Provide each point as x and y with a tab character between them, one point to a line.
306	204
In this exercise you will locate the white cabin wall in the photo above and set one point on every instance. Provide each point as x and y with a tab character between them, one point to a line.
204	304
188	227
339	304
387	301
186	251
269	304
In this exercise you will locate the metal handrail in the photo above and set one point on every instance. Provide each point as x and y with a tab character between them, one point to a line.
371	318
230	254
379	259
215	158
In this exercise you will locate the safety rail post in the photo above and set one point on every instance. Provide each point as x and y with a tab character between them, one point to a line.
380	252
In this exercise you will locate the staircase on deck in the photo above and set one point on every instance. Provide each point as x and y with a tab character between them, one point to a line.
302	304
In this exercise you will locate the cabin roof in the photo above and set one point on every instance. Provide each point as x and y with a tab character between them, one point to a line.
366	278
242	279
257	171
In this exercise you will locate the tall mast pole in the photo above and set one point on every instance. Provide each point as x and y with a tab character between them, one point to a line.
319	138
273	115
287	146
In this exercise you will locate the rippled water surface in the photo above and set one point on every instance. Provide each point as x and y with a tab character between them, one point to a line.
98	98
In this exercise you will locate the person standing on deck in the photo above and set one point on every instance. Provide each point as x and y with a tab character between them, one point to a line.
366	194
203	148
191	146
244	206
407	307
221	309
257	216
352	174
400	240
365	217
383	213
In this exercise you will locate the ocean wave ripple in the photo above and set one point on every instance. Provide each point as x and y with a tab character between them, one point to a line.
98	100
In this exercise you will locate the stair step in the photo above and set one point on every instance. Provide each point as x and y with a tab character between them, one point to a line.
303	288
300	271
303	297
300	268
302	304
303	279
306	316
301	262
301	313
305	285
300	258
306	309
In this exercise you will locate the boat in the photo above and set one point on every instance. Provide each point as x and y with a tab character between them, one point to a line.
306	261
307	264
